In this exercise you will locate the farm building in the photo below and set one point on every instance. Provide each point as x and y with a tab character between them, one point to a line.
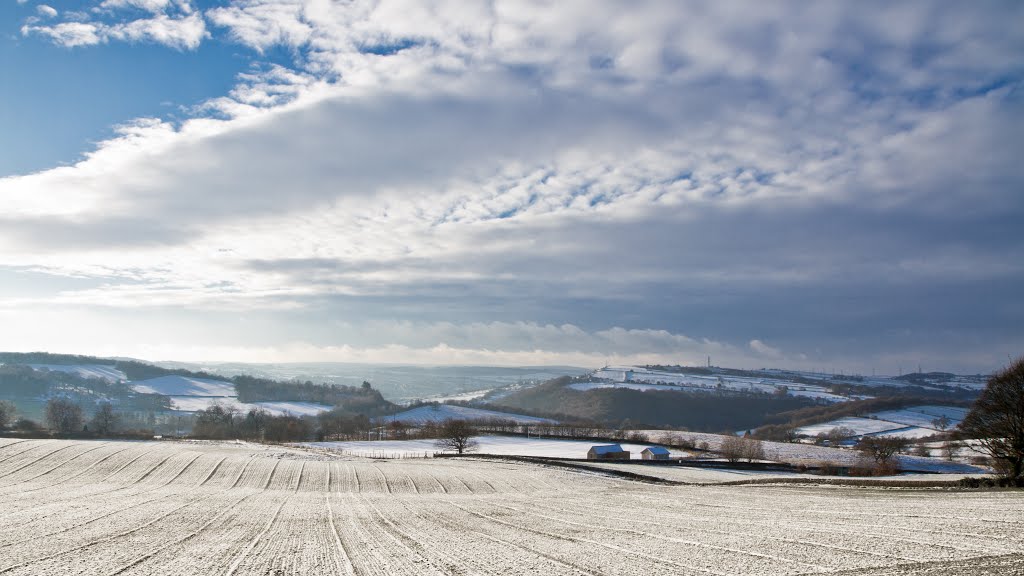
655	453
607	452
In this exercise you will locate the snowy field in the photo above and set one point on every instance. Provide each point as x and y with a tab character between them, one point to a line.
441	412
498	445
811	455
196	403
85	371
184	386
909	423
149	508
635	377
189	394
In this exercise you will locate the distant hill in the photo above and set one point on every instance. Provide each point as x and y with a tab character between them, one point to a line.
441	412
30	378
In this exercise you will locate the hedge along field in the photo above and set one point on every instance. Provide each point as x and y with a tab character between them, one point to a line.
93	507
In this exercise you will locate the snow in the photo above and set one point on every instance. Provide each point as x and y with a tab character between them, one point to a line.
184	386
860	426
206	508
913	422
461	396
293	408
646	379
196	403
810	454
102	371
497	445
627	386
441	412
922	416
908	432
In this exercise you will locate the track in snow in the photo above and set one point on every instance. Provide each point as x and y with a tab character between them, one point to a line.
148	509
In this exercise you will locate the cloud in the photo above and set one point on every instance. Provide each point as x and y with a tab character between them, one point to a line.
68	34
583	179
765	350
46	11
184	33
153	6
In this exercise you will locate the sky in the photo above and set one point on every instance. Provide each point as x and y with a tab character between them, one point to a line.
826	186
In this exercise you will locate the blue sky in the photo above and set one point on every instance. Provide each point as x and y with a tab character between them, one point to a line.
830	186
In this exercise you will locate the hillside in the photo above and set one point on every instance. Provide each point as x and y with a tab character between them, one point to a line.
714	399
132	386
612	406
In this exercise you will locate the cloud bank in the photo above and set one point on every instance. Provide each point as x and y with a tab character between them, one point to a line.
521	182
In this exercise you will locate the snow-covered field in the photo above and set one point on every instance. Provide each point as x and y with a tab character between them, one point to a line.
810	454
440	412
636	377
85	370
498	445
858	425
196	403
185	386
148	508
189	394
910	423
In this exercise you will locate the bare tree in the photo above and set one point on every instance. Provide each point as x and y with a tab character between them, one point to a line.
941	423
949	449
7	413
840	433
457	435
732	448
63	416
996	421
753	449
881	449
105	420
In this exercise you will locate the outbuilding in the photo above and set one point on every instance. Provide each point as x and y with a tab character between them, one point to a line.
655	453
607	452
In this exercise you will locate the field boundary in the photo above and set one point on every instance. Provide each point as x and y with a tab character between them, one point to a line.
577	464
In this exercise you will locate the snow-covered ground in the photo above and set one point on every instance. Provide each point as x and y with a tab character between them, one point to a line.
636	377
810	454
185	386
859	426
910	423
498	445
460	397
924	416
196	403
152	508
441	412
85	370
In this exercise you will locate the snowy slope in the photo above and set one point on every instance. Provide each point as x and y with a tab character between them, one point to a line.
912	422
85	370
923	415
859	426
440	412
635	377
196	403
185	386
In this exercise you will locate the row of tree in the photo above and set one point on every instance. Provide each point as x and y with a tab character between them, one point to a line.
63	417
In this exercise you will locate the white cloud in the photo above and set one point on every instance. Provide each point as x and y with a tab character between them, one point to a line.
46	11
154	6
184	33
516	162
68	34
765	350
